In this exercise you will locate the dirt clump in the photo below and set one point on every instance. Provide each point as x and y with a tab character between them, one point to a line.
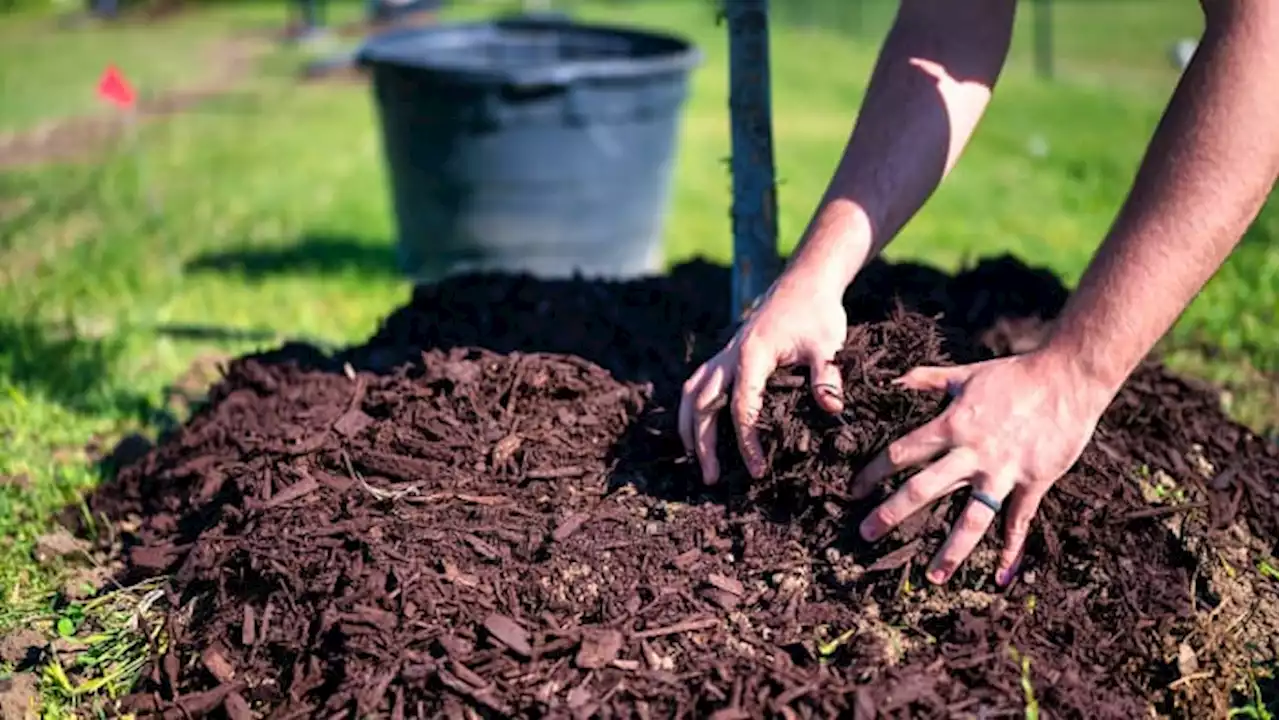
485	511
21	647
19	697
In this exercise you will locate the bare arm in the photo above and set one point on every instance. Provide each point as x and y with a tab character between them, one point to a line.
928	90
1205	176
930	86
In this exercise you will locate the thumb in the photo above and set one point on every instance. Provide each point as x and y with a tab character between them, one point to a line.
826	383
927	377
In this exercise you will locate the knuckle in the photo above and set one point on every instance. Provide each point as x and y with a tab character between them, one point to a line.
953	424
707	395
964	415
972	524
915	493
1019	526
885	517
896	453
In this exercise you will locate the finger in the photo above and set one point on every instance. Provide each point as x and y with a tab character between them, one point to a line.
965	535
828	387
688	402
748	394
1023	505
707	410
915	448
928	485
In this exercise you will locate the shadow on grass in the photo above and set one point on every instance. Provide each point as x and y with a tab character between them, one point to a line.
56	363
313	254
214	333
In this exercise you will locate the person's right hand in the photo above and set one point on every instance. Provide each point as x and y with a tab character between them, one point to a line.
799	321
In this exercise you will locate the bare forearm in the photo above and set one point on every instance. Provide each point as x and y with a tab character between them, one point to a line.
1207	172
930	86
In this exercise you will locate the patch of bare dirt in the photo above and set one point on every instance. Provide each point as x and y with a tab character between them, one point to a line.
20	647
20	481
82	137
19	697
191	389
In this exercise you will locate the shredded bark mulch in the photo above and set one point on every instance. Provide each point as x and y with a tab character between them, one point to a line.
485	511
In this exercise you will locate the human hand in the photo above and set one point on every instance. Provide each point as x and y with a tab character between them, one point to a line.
1015	425
801	320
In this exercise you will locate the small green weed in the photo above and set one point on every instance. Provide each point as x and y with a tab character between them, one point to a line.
1267	566
96	650
1257	708
1032	707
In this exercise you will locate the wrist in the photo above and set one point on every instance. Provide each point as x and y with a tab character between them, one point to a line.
1095	378
834	248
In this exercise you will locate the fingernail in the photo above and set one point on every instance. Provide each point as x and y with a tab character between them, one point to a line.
868	530
936	576
1005	576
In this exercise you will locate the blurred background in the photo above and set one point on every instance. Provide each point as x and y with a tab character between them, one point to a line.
245	200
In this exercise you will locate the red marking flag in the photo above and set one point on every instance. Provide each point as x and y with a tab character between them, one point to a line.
113	88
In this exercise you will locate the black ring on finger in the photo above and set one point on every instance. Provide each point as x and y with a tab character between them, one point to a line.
987	500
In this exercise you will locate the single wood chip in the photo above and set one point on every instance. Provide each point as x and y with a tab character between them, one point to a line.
483	696
726	584
504	449
486	500
202	703
509	633
303	487
559	473
686	559
723	600
247	634
236	707
352	423
677	628
457	577
468	675
897	558
212	484
482	548
1162	511
569	526
598	648
215	661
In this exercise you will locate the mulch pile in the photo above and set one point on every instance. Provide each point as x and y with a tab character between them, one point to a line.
486	511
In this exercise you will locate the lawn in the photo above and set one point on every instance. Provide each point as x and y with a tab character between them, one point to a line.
263	215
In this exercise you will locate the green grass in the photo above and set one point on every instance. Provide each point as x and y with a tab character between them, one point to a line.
96	649
265	214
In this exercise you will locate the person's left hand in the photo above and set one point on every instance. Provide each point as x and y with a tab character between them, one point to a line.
1014	426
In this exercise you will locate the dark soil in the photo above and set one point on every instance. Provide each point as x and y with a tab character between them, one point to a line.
485	511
